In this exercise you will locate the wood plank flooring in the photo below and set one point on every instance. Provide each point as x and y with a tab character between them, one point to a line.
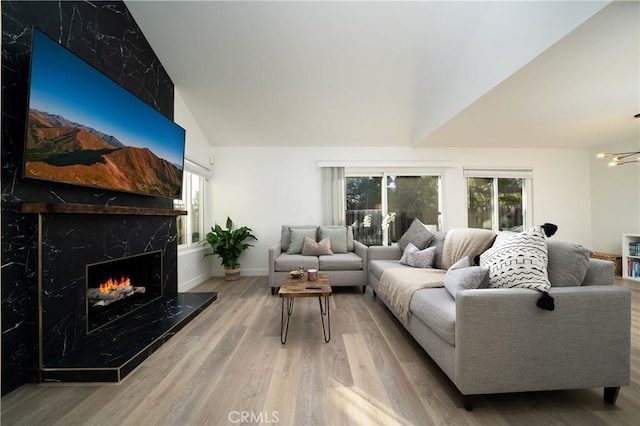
229	367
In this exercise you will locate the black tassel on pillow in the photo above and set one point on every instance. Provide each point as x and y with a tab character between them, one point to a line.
549	229
546	302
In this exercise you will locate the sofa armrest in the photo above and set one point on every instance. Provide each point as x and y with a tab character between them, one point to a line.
384	253
599	272
274	251
505	343
362	251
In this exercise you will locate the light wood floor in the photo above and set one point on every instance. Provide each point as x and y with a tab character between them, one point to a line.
228	367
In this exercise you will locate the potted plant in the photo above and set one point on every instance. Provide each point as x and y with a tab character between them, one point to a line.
229	244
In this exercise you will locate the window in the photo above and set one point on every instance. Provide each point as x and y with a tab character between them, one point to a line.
381	213
364	208
498	202
191	227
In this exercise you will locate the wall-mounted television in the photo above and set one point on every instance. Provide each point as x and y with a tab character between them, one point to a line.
85	129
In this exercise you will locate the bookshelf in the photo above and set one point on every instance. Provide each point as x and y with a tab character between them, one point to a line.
631	256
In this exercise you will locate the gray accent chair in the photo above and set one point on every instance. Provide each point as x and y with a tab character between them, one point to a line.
343	269
497	340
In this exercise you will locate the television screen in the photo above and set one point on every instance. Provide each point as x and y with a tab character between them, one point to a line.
85	129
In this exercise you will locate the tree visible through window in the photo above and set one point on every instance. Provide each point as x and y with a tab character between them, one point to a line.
496	203
400	200
364	208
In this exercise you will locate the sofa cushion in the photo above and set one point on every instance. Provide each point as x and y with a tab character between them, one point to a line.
350	246
291	262
437	309
313	248
377	267
337	235
285	234
417	234
412	256
568	263
519	261
341	262
468	278
297	238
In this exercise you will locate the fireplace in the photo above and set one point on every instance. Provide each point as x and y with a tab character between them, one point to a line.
118	287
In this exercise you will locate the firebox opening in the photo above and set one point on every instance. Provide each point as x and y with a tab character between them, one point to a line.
118	287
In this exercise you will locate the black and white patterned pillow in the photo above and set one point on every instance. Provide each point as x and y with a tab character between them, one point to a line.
519	261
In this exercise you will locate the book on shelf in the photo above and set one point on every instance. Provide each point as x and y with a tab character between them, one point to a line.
634	248
633	268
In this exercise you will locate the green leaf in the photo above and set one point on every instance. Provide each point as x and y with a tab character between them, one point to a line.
228	244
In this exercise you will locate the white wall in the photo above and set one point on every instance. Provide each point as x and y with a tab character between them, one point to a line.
193	268
264	188
615	199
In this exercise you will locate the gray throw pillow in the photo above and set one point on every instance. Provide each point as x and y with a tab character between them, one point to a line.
412	256
438	243
568	263
338	237
417	234
350	246
468	278
285	234
464	262
313	248
297	239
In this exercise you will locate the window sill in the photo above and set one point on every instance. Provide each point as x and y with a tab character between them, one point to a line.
193	248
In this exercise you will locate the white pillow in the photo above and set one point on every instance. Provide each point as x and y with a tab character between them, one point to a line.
519	261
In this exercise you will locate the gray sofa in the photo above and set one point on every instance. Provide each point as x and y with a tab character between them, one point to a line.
348	268
496	340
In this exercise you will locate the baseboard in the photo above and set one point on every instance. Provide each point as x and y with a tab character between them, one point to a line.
219	272
188	285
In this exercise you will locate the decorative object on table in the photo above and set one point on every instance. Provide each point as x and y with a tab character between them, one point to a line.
229	244
298	273
312	274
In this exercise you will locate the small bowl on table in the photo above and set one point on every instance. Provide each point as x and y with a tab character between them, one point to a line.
296	274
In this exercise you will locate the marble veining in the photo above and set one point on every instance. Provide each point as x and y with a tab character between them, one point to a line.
106	36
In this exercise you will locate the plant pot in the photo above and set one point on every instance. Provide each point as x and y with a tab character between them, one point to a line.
231	274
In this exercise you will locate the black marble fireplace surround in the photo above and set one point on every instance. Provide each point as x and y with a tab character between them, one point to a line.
44	255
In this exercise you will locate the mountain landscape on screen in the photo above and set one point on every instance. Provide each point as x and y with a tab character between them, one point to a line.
61	150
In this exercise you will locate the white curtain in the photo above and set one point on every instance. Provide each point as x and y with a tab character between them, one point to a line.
334	201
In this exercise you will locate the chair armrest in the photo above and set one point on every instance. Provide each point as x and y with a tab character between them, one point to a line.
384	253
505	343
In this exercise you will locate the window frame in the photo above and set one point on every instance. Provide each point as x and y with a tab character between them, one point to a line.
385	172
527	192
185	203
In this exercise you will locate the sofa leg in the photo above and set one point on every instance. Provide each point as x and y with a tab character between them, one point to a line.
610	395
274	291
374	293
467	402
364	289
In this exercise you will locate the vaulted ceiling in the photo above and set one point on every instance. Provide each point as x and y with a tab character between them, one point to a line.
422	74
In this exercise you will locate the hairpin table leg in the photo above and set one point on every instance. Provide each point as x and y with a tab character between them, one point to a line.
325	312
284	329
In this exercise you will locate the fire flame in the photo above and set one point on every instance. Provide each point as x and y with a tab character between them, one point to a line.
114	284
